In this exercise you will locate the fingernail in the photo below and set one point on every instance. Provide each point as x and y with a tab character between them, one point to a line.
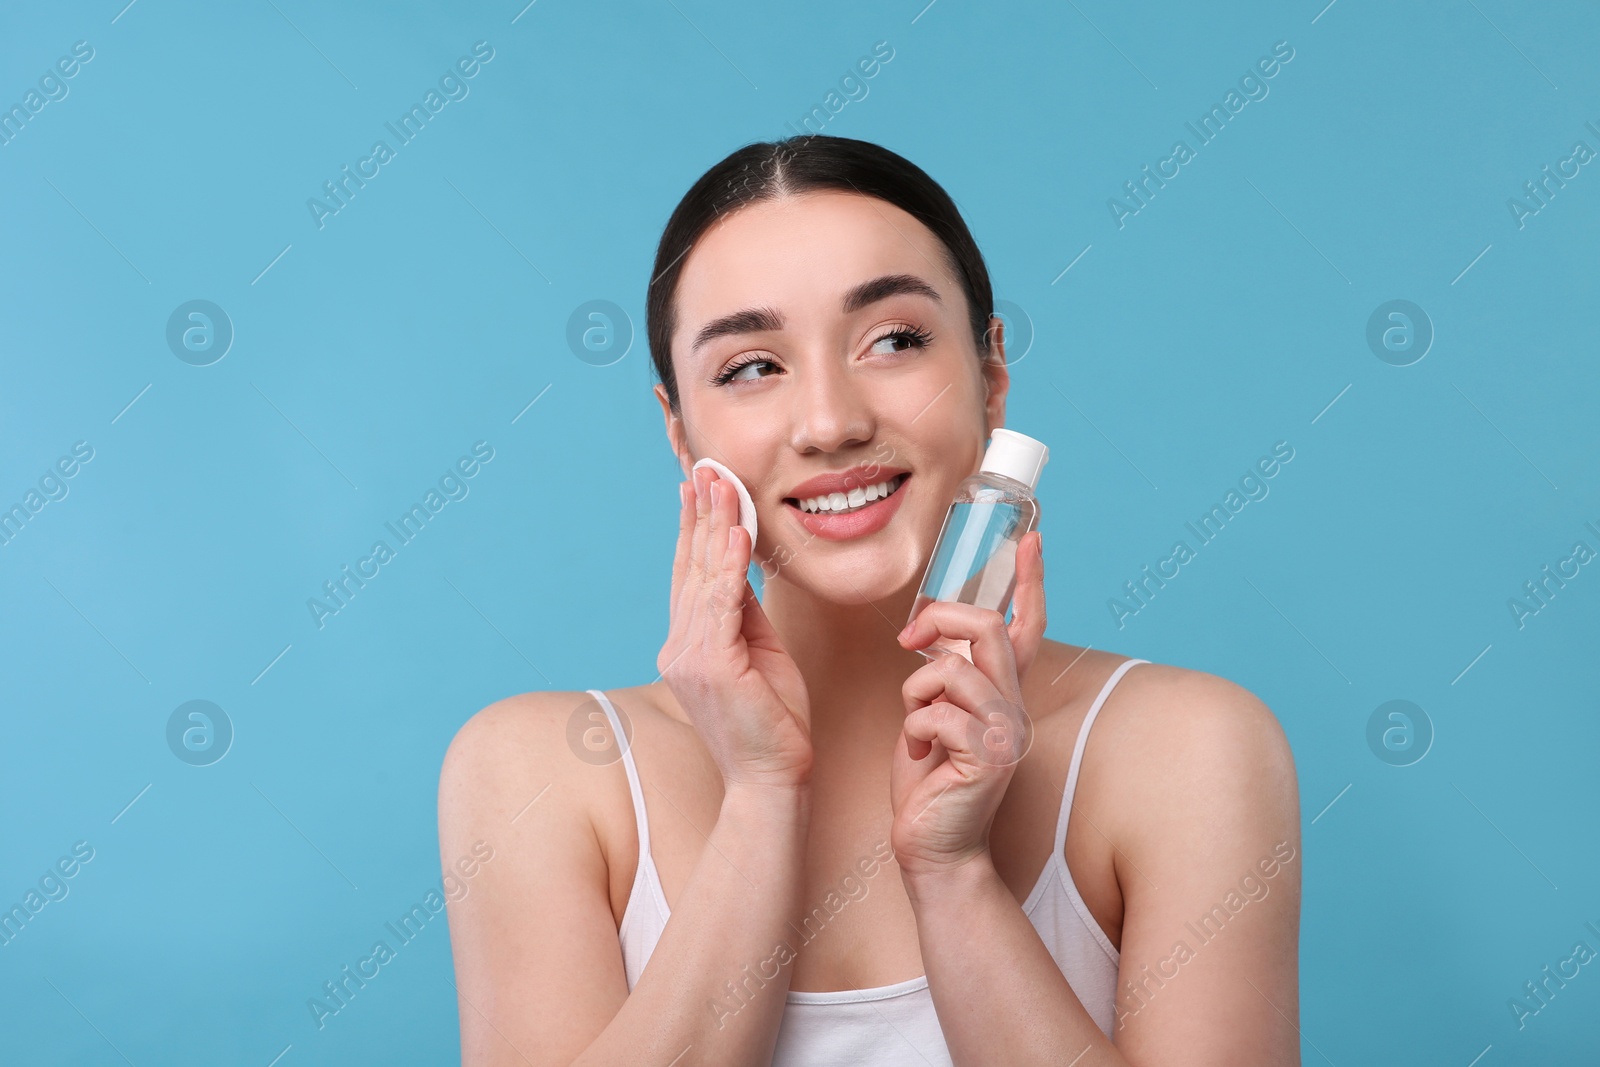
1041	546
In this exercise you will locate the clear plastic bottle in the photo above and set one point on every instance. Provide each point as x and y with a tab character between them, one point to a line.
975	558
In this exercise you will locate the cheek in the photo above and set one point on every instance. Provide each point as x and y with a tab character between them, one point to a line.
924	513
941	382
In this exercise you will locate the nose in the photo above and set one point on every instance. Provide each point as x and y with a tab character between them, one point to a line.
830	410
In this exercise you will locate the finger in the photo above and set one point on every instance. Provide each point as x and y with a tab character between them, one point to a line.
677	612
702	509
984	627
724	513
759	633
918	749
693	555
680	558
942	722
912	767
720	594
949	678
693	594
1000	736
1001	730
730	595
1027	625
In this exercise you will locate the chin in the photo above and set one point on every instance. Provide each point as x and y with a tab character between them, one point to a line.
856	576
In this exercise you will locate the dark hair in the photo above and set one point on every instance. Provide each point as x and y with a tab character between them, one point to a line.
804	163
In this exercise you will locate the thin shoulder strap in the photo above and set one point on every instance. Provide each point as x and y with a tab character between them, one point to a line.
634	787
1077	751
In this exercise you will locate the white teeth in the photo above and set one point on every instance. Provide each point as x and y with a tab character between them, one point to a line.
855	498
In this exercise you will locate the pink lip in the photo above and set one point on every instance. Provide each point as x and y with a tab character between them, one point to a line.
858	477
859	523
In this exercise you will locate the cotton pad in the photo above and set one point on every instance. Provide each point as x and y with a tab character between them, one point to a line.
747	507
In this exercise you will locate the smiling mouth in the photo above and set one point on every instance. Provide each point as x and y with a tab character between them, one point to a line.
842	503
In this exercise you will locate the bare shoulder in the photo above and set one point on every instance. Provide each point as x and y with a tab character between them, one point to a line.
1174	709
533	927
1158	721
547	762
523	718
1191	755
528	764
505	747
1195	791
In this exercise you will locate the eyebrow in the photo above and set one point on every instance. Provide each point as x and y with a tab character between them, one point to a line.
755	320
888	285
750	320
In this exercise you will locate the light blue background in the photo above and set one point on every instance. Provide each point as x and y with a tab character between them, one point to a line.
1225	316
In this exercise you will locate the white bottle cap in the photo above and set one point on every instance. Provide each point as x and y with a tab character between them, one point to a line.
1016	456
747	507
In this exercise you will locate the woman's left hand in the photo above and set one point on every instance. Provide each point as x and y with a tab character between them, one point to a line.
966	727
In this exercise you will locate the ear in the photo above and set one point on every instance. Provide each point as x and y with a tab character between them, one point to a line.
996	375
676	437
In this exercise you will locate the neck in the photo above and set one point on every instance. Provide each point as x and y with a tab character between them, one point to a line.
852	665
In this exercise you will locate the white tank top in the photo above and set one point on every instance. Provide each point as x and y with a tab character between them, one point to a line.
894	1025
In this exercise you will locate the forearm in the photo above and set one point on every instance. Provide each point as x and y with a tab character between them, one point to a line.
999	994
717	981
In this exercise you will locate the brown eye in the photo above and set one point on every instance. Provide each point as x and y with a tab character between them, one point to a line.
736	372
901	339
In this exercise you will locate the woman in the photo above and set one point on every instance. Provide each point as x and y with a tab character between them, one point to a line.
828	848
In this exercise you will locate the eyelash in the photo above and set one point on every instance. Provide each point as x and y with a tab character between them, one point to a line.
919	337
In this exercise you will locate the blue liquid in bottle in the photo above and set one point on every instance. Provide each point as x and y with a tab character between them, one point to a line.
975	559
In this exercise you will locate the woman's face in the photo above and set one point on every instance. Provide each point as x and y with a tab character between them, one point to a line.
825	335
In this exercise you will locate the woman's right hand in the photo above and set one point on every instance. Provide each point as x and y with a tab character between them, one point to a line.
722	658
